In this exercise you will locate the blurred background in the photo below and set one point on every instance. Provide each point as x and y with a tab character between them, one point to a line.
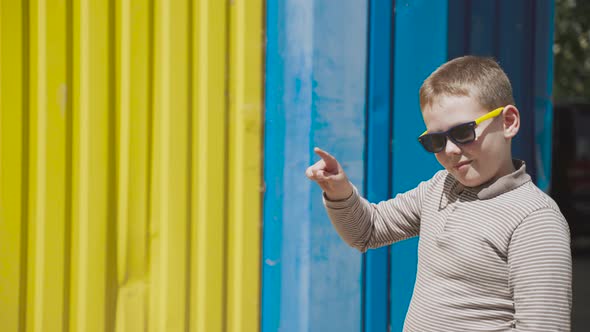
152	153
570	183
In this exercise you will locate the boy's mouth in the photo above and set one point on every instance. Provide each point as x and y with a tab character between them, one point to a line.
463	163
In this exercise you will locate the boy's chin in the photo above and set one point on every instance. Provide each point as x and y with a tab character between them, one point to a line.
471	184
469	179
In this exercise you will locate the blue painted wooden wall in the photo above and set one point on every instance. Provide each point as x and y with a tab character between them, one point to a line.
345	76
315	96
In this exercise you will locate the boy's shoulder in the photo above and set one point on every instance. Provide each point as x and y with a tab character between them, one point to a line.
526	200
441	177
536	197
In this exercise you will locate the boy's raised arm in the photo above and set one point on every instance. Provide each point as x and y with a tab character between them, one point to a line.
361	224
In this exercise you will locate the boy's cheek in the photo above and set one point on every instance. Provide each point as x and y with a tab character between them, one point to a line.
443	160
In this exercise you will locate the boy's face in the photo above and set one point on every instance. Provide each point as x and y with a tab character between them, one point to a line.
487	158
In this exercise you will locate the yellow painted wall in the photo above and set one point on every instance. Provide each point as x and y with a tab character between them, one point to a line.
130	165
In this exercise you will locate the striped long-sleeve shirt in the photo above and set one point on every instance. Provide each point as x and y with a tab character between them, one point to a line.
492	258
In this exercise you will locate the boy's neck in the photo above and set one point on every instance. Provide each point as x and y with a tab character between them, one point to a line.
507	168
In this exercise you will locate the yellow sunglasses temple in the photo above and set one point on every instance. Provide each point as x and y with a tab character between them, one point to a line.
479	120
490	115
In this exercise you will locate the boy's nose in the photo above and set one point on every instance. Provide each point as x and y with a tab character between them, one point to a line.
452	148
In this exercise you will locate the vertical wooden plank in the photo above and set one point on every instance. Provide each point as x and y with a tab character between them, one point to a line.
277	313
12	121
133	102
47	172
155	239
170	214
339	125
517	57
543	90
378	161
482	29
209	202
427	21
315	95
458	24
36	186
91	169
123	100
76	99
245	118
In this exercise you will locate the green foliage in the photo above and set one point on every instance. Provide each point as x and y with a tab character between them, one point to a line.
572	50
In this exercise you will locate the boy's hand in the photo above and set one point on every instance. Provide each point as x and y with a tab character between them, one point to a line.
330	176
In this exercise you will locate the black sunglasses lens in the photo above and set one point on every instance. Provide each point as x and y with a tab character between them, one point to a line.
433	142
463	134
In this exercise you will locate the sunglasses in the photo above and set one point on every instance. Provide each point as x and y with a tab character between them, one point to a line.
460	134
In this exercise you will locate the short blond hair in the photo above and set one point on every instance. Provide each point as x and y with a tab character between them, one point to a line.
472	76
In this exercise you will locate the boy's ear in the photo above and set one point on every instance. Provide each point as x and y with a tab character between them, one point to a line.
511	118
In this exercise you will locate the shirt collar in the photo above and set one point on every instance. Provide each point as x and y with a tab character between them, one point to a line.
502	185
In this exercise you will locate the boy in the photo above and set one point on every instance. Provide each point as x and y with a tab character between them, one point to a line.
494	250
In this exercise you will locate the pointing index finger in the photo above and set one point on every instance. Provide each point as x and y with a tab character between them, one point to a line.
331	162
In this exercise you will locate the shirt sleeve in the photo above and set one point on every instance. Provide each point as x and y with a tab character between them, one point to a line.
540	272
364	225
